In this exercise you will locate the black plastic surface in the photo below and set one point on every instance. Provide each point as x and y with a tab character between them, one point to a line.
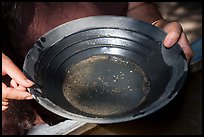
127	39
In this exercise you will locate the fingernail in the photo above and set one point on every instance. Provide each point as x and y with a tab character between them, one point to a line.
29	81
168	43
29	97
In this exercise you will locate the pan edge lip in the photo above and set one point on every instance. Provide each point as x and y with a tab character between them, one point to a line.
96	120
100	120
123	24
44	102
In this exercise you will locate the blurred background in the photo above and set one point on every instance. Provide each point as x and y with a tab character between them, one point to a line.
188	14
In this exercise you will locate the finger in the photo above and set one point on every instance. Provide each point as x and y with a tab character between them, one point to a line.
3	73
174	31
11	93
183	42
4	100
14	72
4	108
14	84
4	103
20	88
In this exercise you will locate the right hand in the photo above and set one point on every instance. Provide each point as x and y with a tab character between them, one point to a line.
18	84
175	34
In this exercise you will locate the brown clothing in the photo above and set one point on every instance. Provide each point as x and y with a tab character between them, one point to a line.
35	19
26	23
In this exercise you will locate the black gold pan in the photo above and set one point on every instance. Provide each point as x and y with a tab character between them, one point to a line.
105	69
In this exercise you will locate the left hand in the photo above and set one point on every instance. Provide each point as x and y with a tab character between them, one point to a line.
18	84
175	34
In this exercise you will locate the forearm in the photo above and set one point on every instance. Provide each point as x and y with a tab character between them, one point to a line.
145	11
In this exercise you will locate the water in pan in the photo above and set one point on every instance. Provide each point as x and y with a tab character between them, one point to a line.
105	85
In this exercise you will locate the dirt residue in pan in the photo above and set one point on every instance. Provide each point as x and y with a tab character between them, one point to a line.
105	85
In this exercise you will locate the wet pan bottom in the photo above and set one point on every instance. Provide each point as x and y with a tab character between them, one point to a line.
105	85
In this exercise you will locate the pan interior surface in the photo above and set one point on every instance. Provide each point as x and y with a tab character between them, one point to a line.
105	85
105	69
